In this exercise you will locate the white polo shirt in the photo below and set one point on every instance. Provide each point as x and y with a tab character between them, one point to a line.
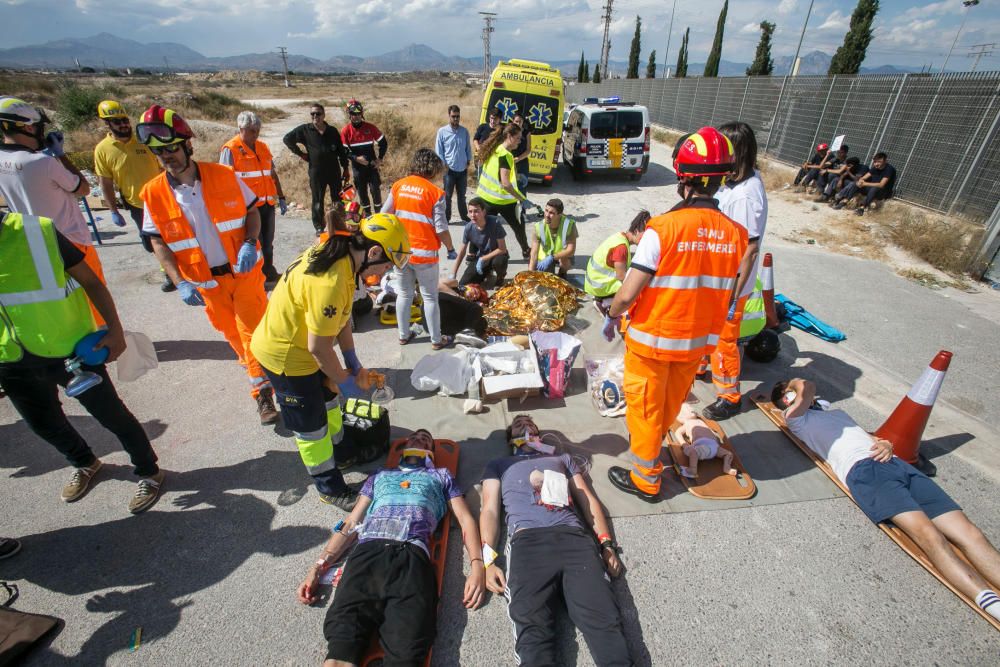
192	203
38	184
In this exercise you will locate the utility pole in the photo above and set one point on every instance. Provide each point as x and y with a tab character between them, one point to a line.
965	15
166	65
606	41
666	54
488	19
284	61
984	50
793	70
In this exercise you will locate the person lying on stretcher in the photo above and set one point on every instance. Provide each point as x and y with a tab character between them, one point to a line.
388	585
700	443
887	488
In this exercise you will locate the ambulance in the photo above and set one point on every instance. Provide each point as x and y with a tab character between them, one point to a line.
534	90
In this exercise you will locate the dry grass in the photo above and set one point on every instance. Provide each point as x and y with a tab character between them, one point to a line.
928	279
665	136
948	244
775	175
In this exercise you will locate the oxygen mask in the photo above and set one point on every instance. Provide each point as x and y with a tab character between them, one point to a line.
85	354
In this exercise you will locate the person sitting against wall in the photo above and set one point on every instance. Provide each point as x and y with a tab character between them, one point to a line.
876	185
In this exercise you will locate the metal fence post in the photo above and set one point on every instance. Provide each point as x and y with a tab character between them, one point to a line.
822	114
968	150
777	106
888	120
746	89
981	264
840	117
975	161
916	139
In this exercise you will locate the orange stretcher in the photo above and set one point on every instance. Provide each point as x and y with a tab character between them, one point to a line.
895	534
712	483
445	456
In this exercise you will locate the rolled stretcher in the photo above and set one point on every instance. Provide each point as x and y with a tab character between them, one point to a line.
895	534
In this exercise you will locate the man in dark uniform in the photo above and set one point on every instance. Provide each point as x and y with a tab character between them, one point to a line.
327	158
367	146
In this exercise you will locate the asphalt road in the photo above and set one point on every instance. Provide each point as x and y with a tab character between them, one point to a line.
209	574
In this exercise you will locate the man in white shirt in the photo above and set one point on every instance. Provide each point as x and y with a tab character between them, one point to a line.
889	489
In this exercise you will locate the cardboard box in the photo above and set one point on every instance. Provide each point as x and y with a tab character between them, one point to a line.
517	385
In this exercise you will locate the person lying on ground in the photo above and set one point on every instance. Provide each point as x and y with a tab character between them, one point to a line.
607	267
388	584
700	443
462	310
554	243
887	488
553	517
484	247
876	185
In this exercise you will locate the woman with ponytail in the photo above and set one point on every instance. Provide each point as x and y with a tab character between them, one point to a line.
309	313
498	180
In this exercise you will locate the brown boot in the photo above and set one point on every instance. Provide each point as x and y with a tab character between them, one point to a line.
265	407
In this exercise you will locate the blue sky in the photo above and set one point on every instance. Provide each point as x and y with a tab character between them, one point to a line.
907	32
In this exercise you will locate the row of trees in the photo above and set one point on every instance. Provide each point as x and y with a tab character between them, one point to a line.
847	59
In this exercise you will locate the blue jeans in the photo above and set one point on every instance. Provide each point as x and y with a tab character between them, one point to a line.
456	181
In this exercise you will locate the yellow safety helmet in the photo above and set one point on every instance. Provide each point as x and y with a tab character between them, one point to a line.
386	230
110	109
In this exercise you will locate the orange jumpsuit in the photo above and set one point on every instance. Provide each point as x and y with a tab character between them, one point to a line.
675	321
234	302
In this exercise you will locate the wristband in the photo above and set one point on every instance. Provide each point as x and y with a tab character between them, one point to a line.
603	537
489	555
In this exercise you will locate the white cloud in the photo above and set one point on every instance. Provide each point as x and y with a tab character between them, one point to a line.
750	29
787	6
835	21
933	9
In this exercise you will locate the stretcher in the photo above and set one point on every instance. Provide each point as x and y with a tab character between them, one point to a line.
445	456
712	483
895	534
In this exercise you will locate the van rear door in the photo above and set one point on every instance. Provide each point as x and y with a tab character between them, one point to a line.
617	138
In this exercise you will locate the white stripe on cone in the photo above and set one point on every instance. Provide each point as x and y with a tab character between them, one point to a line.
925	390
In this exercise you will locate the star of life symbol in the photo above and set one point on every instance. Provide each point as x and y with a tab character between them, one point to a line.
540	115
508	108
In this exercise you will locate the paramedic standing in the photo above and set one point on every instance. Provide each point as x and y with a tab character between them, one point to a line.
677	292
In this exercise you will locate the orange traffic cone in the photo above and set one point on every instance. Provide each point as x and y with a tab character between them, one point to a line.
767	283
906	424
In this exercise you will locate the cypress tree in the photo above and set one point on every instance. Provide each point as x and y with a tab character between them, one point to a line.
762	64
848	58
579	71
682	56
715	55
633	53
597	73
651	65
586	72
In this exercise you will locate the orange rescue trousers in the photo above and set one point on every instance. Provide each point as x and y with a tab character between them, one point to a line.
235	308
91	259
726	357
654	391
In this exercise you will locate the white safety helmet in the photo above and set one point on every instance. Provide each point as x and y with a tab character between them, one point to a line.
16	112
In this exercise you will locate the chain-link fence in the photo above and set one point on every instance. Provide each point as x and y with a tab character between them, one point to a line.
942	133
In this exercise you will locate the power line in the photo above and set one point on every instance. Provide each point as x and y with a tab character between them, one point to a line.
606	40
983	50
284	61
488	29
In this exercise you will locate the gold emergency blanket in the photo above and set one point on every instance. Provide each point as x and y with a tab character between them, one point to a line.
534	301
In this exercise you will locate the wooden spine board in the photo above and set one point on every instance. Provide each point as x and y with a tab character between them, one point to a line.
445	456
895	534
674	446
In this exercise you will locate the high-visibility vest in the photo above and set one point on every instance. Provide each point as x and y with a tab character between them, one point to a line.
254	166
414	198
601	279
549	243
226	209
45	312
489	187
754	316
679	315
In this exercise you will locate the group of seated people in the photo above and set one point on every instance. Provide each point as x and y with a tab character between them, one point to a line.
560	544
840	180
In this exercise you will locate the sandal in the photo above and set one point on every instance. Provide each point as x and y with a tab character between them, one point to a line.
446	341
411	336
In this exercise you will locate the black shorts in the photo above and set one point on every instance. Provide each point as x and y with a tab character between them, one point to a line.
883	490
390	588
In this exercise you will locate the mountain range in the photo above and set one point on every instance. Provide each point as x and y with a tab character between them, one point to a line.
105	51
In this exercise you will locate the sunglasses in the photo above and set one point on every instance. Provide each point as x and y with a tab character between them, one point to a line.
119	121
165	150
455	117
316	113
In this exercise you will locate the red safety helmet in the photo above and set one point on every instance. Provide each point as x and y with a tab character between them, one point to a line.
354	107
822	147
162	127
706	152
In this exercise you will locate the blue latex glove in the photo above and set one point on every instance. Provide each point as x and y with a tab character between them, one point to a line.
349	388
732	311
352	362
481	267
452	254
546	264
54	144
117	218
190	294
527	203
282	205
611	326
246	258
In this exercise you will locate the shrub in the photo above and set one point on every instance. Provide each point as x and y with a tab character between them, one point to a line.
77	105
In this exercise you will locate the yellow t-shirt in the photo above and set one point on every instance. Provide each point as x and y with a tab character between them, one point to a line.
129	164
301	303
